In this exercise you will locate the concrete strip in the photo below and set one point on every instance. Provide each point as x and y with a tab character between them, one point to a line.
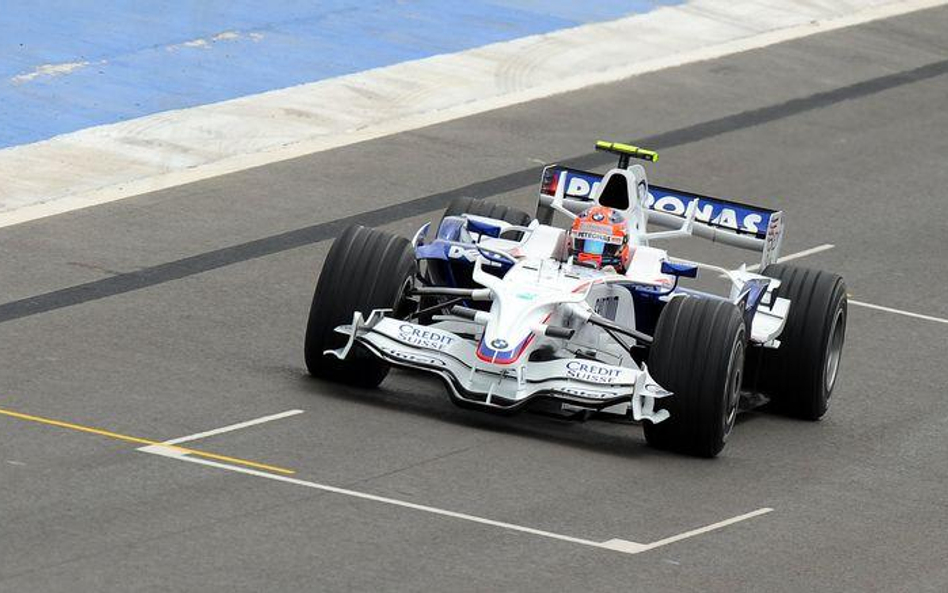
108	163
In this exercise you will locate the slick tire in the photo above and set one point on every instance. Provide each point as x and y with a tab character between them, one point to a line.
366	269
697	354
800	375
463	205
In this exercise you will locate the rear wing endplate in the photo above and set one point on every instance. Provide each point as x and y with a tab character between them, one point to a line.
719	220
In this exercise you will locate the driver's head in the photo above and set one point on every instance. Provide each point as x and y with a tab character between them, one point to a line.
600	237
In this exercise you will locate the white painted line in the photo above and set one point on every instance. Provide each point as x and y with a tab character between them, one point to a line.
806	252
615	545
174	454
797	255
232	427
111	162
707	528
827	246
163	450
898	311
624	546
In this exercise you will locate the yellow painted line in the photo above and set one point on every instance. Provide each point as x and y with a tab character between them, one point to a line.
141	441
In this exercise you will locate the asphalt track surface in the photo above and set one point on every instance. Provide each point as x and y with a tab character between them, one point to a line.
182	311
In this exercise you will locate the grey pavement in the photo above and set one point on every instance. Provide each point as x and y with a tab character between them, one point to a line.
183	310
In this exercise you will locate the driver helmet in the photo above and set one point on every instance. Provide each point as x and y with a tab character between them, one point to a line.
599	237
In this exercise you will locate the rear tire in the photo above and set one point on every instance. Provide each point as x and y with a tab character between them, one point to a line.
800	375
366	269
464	205
698	355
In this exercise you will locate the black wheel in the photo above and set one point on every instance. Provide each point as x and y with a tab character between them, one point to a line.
698	355
800	375
459	206
366	269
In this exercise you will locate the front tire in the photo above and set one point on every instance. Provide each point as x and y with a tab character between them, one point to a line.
366	269
698	355
800	375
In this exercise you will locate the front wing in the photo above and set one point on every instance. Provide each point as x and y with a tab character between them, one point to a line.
582	382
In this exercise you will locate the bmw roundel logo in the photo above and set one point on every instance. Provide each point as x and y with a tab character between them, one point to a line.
499	344
598	216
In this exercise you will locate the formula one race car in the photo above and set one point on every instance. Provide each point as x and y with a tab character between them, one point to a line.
513	312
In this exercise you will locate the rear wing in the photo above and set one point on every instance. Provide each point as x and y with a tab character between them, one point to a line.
723	221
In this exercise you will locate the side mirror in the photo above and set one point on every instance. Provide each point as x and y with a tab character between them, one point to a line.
680	270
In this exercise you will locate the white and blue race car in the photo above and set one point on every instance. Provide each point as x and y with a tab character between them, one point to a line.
493	303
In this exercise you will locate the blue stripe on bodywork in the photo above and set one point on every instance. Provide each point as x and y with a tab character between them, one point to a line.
502	356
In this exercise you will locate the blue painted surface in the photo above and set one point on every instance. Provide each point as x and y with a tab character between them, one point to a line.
139	63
